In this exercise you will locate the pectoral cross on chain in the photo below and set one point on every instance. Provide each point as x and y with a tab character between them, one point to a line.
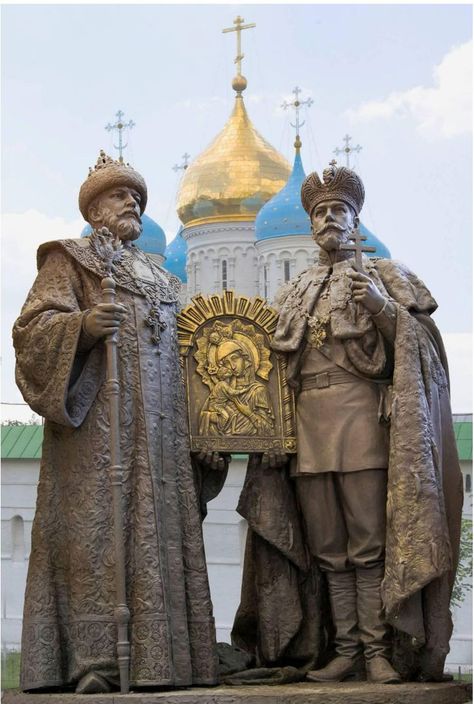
155	322
358	248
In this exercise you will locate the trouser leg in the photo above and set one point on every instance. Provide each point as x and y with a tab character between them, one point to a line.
364	496
344	515
327	540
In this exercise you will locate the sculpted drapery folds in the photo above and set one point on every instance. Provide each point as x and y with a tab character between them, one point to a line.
376	486
69	629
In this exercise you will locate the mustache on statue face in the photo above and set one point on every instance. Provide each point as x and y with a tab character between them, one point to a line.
129	212
330	226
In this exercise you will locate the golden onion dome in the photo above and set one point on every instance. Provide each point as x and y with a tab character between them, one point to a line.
234	177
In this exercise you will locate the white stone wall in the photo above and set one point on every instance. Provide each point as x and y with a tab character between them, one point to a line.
225	533
211	245
19	480
299	250
253	268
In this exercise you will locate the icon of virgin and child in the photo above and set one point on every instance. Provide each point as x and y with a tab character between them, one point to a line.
238	404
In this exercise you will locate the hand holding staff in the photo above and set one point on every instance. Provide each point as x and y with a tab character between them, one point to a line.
103	321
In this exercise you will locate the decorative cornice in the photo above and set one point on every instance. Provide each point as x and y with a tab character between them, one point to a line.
274	244
210	220
196	231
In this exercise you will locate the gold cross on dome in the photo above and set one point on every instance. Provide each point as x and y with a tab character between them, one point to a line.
239	26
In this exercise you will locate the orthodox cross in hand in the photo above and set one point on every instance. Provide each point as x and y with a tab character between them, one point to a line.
239	26
120	125
157	325
358	248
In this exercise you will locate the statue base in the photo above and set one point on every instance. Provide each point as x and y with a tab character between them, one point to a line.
301	693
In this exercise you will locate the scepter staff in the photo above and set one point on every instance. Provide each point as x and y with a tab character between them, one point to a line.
110	250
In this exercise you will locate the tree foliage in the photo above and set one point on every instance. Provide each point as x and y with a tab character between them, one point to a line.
463	581
33	420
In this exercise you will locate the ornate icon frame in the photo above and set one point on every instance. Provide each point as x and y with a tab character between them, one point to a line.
239	316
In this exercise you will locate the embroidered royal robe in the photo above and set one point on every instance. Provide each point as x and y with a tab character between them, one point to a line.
68	626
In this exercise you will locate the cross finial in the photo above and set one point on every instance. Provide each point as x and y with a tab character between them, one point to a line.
185	163
296	104
333	162
120	125
347	150
358	248
239	27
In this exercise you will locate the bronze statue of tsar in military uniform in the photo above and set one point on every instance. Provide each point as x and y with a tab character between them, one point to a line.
376	484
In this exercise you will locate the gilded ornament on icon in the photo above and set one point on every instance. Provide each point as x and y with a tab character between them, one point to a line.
237	393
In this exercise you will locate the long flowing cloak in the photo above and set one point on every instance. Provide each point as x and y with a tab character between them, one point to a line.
68	626
424	501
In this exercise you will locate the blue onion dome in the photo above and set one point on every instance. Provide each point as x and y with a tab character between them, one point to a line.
284	214
372	241
152	240
175	256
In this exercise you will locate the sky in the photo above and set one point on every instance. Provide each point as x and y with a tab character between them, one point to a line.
397	78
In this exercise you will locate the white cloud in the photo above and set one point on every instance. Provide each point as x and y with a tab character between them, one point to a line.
207	105
441	110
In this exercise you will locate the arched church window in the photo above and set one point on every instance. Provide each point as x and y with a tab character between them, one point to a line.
286	270
468	484
265	280
224	275
18	539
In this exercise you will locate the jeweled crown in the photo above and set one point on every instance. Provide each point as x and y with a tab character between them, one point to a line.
103	161
339	183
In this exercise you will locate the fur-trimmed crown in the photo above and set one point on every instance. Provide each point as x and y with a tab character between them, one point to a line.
108	173
339	183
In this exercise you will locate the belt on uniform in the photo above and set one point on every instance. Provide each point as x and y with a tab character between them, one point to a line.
325	379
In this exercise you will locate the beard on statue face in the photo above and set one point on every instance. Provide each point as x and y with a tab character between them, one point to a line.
331	236
125	225
332	222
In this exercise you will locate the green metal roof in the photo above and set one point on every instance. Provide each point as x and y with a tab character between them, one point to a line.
463	432
24	441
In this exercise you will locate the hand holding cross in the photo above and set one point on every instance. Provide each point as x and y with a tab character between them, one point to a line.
364	289
358	248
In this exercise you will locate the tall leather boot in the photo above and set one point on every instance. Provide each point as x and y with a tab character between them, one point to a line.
374	631
348	663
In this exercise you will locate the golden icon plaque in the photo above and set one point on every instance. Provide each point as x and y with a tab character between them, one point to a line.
238	398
